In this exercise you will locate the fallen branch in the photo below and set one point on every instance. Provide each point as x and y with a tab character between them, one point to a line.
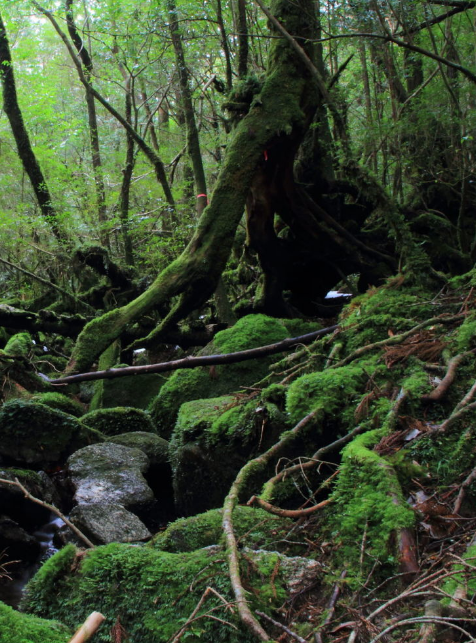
230	502
52	508
194	362
449	621
331	607
281	627
286	513
88	628
192	617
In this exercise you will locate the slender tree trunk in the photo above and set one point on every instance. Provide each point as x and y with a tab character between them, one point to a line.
22	140
93	124
242	40
193	141
225	47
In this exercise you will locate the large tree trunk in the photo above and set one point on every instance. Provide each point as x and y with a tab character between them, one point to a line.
282	110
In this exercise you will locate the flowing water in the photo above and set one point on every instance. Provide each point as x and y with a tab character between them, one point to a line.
11	590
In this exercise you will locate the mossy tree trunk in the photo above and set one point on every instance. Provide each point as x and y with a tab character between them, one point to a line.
281	112
22	139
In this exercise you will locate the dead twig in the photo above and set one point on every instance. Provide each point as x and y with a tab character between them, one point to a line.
331	606
448	379
52	508
459	500
88	628
281	627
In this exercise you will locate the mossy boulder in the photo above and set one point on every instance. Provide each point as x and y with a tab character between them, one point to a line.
136	391
119	420
107	523
19	345
254	528
154	592
60	402
212	440
34	433
23	628
155	448
201	383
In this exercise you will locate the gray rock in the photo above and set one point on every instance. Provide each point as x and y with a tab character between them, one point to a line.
155	448
110	473
109	523
298	572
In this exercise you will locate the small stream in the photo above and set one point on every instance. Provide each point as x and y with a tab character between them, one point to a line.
11	590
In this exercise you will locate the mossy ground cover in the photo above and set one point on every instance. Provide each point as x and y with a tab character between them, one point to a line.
151	592
23	628
119	420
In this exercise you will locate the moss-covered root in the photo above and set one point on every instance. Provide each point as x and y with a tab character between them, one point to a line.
231	543
282	109
370	501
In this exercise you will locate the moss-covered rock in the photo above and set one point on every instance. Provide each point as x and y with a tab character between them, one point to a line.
254	528
23	628
61	402
119	420
155	448
137	391
154	592
212	440
36	434
19	345
200	383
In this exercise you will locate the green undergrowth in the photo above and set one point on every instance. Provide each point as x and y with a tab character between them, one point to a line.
467	577
151	592
23	628
19	345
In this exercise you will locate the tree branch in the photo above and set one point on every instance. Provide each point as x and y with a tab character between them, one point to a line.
194	362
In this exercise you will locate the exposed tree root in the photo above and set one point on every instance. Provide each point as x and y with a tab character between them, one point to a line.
448	379
287	513
228	506
292	634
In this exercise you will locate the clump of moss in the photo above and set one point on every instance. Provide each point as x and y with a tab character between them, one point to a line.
194	384
35	433
60	402
152	592
254	528
19	345
23	628
368	498
329	391
369	317
119	420
465	339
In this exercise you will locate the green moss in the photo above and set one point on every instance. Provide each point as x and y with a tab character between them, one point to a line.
466	335
193	384
34	433
370	317
212	440
119	420
330	390
152	592
254	528
19	345
60	402
297	327
23	628
467	578
368	499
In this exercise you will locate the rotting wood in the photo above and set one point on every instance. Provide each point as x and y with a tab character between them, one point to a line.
88	628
